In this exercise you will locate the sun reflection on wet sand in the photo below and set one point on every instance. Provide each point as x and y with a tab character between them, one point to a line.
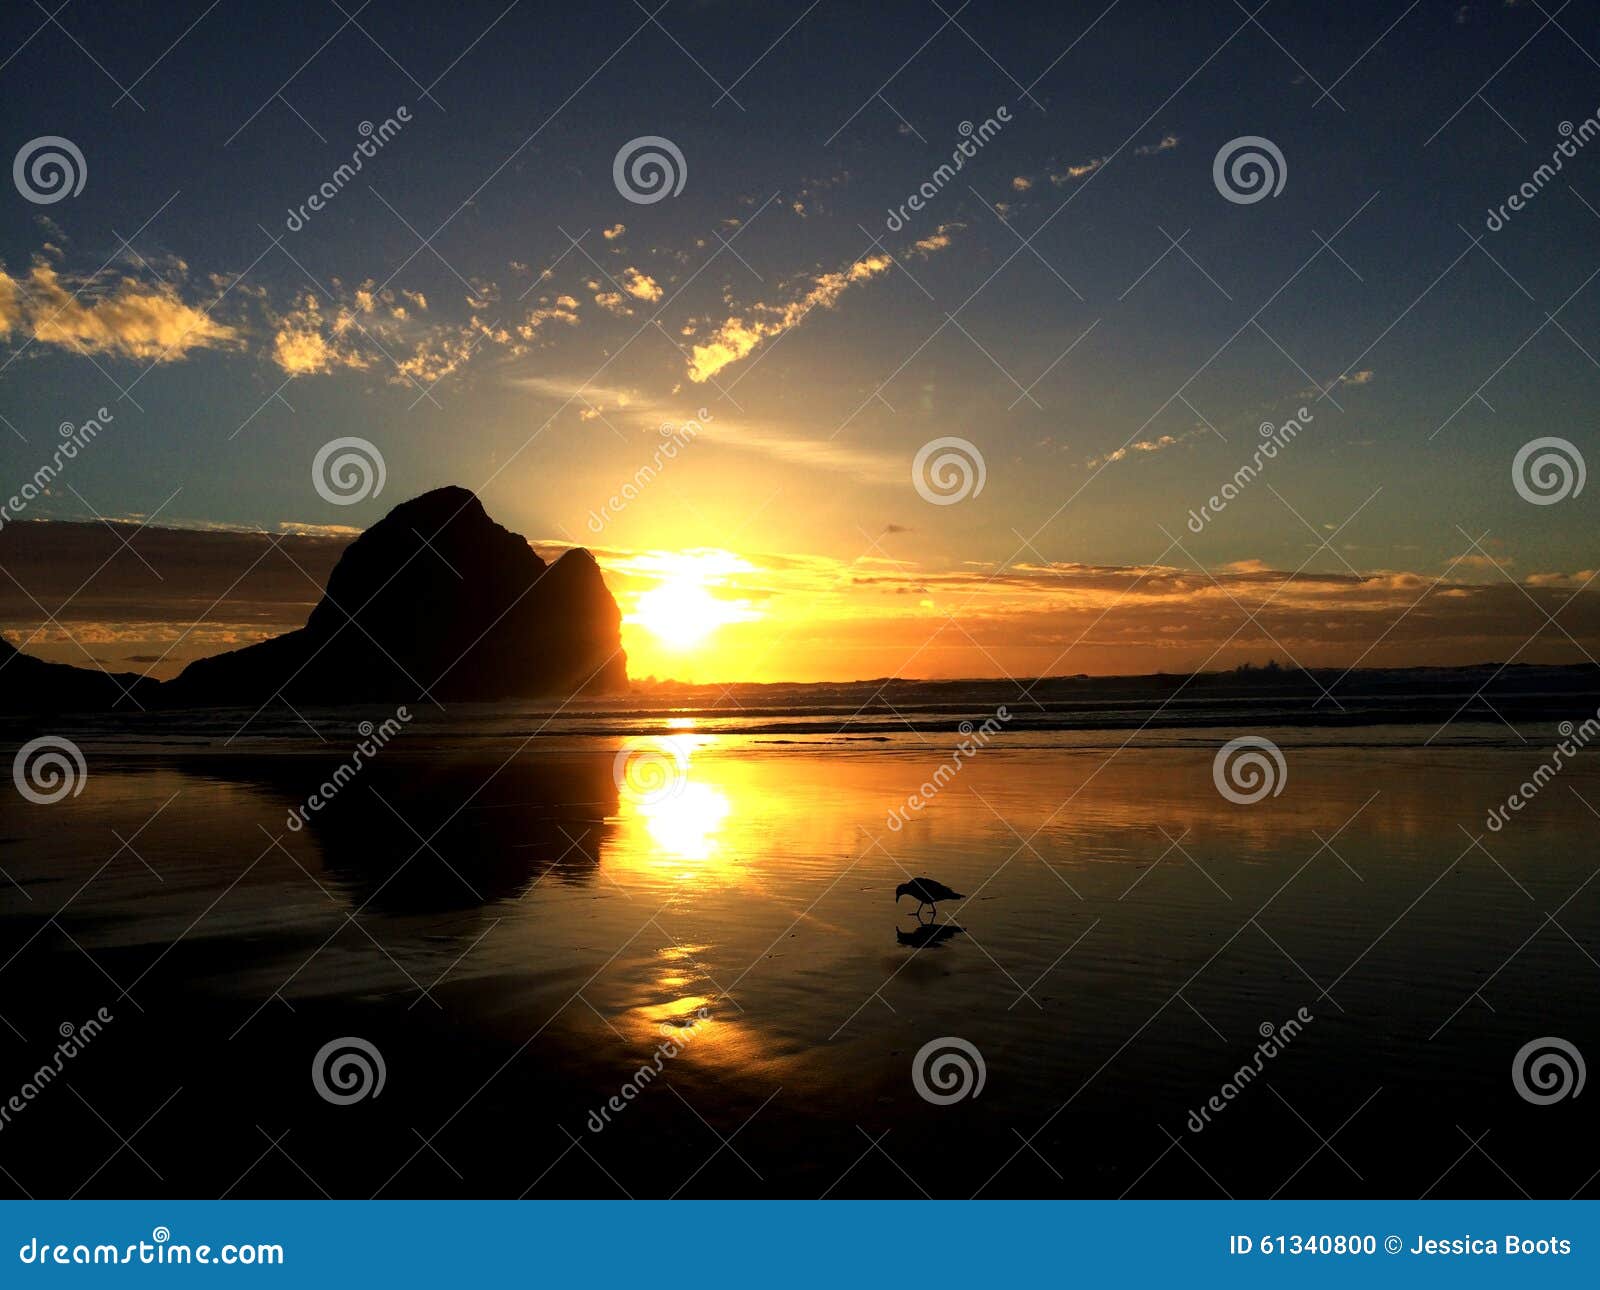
686	825
675	829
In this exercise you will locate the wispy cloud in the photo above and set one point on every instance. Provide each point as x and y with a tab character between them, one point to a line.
631	408
1158	444
1077	171
741	334
1166	143
1060	176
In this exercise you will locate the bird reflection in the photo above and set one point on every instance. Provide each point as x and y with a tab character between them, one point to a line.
925	934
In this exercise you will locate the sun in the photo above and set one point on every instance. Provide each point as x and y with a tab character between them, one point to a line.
690	600
681	613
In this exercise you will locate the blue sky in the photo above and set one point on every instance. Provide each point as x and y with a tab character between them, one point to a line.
1356	292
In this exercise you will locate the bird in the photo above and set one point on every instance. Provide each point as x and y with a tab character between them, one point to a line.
927	891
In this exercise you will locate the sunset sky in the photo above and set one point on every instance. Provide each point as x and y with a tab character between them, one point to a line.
1079	302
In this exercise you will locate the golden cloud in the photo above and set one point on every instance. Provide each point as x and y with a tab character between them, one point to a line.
130	320
10	304
1077	172
641	286
308	342
738	337
563	309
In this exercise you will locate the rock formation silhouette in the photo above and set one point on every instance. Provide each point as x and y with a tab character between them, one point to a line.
434	600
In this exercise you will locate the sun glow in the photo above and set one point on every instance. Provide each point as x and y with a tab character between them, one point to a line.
681	613
692	598
686	825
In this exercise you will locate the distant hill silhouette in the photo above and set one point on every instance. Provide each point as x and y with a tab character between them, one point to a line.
434	599
29	684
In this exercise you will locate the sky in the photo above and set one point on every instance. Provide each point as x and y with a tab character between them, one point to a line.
721	369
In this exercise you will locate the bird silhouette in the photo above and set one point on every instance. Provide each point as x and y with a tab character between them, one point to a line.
927	891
